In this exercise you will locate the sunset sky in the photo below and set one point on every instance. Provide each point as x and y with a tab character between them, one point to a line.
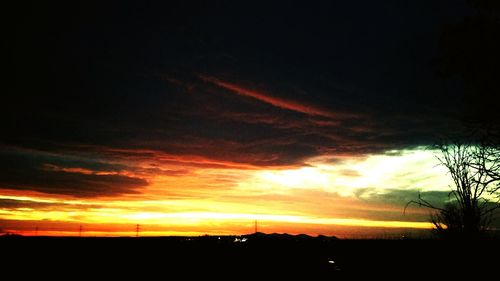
204	117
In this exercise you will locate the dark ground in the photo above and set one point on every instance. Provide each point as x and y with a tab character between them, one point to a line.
261	256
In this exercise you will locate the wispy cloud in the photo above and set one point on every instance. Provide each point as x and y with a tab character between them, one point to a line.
288	104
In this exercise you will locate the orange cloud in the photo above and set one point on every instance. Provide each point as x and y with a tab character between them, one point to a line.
275	101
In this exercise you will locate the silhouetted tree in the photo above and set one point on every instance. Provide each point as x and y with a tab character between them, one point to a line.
470	51
491	159
475	193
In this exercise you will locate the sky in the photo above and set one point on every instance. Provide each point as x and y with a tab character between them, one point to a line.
203	117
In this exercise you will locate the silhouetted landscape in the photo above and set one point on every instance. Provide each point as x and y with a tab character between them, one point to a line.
256	255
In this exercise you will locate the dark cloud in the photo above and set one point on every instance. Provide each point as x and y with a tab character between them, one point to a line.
14	204
11	204
218	84
37	172
403	196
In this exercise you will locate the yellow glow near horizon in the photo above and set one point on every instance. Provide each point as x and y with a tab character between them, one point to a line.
186	218
323	193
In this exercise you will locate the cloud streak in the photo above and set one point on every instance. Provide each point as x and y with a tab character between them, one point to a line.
305	108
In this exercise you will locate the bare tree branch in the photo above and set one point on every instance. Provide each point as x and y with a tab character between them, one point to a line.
474	168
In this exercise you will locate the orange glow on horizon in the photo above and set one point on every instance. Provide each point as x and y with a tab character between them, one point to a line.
314	199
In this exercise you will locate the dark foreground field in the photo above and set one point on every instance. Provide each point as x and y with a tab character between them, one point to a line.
235	257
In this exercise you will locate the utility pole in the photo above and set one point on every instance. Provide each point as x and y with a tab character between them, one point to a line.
137	229
255	224
80	231
36	231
